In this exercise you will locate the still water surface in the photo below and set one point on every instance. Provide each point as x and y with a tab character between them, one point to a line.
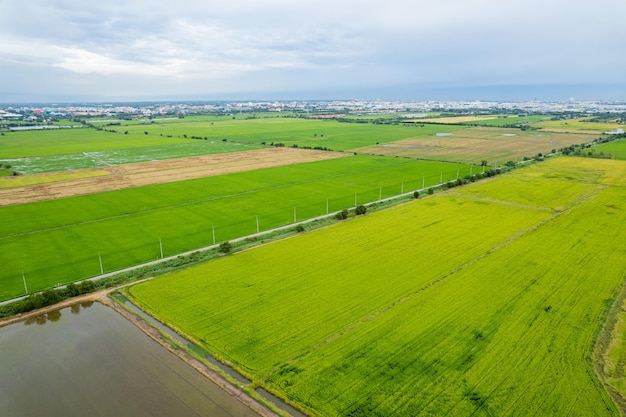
87	360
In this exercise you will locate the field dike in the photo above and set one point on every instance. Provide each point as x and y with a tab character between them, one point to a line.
609	341
175	343
227	380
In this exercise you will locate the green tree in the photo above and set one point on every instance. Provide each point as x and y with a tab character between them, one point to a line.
360	210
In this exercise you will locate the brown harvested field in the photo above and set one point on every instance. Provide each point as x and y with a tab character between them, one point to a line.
157	172
473	145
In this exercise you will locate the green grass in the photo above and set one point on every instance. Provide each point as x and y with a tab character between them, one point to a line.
464	303
60	241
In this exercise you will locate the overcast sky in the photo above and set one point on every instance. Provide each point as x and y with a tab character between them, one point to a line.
69	50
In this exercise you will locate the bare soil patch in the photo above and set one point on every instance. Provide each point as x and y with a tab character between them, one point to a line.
158	172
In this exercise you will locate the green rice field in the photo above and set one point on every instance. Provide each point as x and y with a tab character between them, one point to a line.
291	131
484	300
617	149
138	141
32	152
32	143
64	240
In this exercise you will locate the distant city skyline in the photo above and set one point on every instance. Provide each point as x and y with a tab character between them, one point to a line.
142	50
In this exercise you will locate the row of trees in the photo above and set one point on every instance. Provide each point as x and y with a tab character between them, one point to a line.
48	297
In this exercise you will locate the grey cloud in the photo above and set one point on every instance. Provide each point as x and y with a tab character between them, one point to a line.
237	46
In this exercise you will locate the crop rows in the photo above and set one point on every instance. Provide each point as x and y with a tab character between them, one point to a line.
60	241
472	303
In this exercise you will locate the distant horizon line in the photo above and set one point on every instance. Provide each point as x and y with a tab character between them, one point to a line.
282	100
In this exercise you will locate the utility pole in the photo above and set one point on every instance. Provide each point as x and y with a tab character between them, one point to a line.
101	268
24	279
161	247
257	223
213	230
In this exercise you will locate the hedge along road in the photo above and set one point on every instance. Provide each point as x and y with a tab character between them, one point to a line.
215	246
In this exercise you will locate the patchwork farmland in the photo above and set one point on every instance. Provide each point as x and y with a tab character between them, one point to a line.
472	302
69	239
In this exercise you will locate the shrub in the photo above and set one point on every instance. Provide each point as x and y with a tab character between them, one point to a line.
72	290
342	215
431	191
416	194
225	247
299	228
86	286
50	296
360	210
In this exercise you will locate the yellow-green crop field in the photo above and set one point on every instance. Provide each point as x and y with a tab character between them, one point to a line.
482	301
21	181
577	126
